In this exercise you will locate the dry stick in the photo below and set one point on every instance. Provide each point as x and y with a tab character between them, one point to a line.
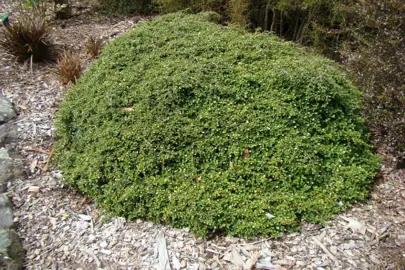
218	261
40	150
333	258
383	236
39	167
89	252
31	58
47	161
255	243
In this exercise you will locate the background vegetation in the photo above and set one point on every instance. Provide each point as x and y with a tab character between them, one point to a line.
367	36
374	54
189	123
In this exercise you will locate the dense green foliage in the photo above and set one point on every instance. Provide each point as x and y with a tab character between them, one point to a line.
189	123
126	6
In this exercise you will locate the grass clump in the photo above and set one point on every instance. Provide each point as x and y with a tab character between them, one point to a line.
69	67
93	46
28	37
189	123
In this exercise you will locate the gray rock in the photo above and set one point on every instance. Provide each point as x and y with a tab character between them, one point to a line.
11	167
8	133
4	154
11	250
6	212
7	111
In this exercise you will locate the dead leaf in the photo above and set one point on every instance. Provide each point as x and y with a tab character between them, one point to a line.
237	259
33	189
245	153
176	262
228	257
127	109
201	266
33	165
252	261
199	179
265	265
85	217
355	225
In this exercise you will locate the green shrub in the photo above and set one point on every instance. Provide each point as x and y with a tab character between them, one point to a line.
192	124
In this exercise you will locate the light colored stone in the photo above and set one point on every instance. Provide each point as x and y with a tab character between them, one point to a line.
4	153
11	250
6	212
7	111
10	168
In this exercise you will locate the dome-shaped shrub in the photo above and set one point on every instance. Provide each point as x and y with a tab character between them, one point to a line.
186	122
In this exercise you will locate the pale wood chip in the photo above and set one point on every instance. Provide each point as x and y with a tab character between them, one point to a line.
162	252
333	258
252	261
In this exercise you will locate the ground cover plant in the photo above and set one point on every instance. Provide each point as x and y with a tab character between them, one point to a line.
186	122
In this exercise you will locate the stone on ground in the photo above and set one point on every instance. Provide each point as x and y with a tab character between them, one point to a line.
7	111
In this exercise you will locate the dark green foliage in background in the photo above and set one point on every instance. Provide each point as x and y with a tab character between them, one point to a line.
157	127
374	50
127	6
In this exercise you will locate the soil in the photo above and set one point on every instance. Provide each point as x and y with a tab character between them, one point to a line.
62	229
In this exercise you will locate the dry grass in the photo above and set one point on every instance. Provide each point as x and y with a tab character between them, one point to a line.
93	46
28	39
69	67
237	12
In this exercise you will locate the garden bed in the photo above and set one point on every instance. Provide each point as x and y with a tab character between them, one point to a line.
63	229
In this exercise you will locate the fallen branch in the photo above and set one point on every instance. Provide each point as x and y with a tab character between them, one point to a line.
47	161
39	167
40	150
333	258
89	252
